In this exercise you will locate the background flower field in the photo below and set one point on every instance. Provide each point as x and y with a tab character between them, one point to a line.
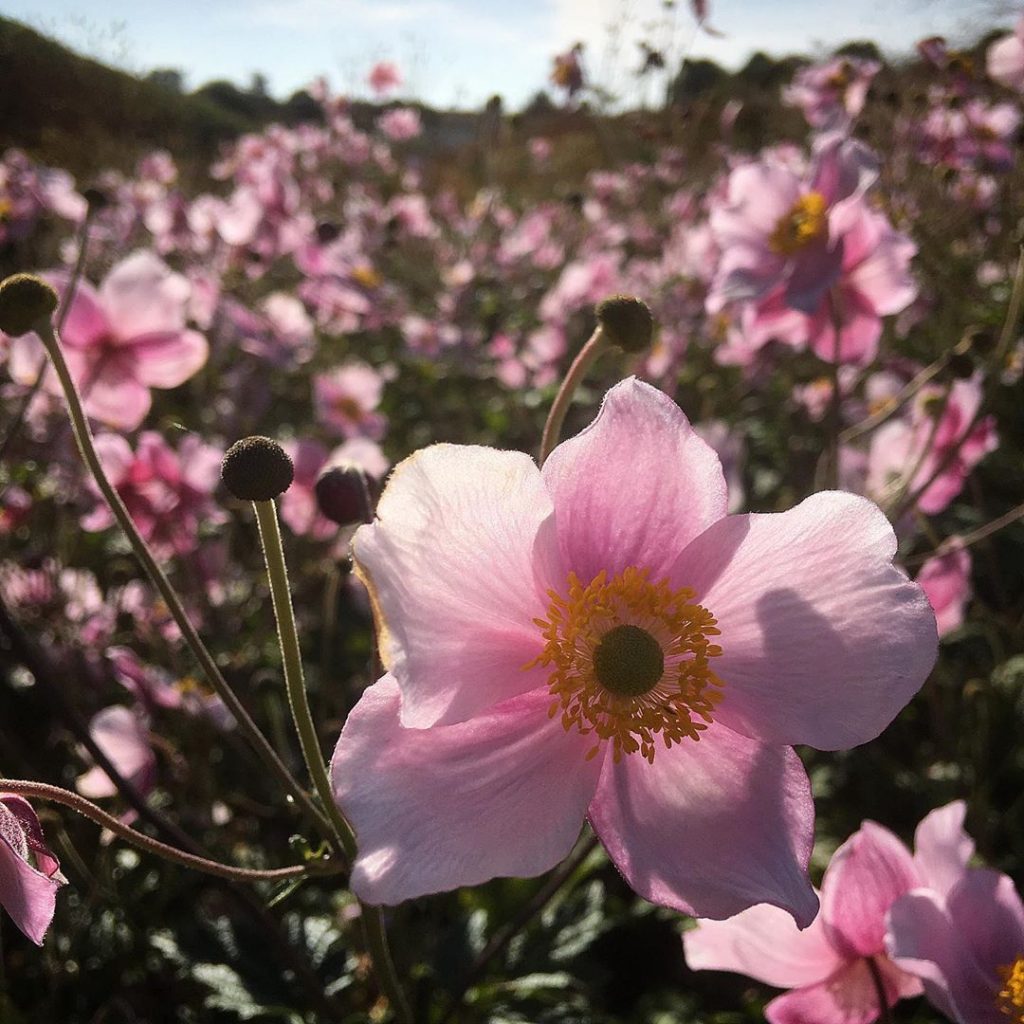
359	280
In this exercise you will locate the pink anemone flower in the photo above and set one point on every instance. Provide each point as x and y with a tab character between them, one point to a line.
29	873
600	639
122	340
827	965
966	946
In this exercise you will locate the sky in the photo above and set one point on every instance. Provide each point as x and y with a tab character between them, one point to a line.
457	53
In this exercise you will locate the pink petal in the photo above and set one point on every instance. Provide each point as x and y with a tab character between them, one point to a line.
85	322
866	875
823	639
989	917
142	295
503	794
848	997
942	849
455	567
946	581
711	827
116	398
123	737
28	895
763	943
635	487
167	360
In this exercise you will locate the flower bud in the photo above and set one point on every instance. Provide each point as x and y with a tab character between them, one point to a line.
343	494
26	301
627	322
960	365
256	469
97	199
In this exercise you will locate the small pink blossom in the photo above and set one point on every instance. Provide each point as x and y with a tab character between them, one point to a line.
29	873
123	735
1005	59
946	581
122	340
168	493
518	610
826	965
966	945
384	77
346	400
832	94
400	124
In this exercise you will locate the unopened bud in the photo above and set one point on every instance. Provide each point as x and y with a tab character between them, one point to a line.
627	322
97	199
256	469
26	302
343	494
960	365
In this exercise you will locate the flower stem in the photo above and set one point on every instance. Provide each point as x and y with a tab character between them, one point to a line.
84	439
588	355
883	1001
42	791
291	657
967	539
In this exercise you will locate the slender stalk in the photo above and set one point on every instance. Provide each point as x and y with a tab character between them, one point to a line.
1013	314
883	1001
41	791
87	448
965	541
500	940
906	481
586	358
836	405
291	657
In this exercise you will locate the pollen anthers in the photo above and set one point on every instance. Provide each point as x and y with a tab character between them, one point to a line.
1011	995
804	222
630	661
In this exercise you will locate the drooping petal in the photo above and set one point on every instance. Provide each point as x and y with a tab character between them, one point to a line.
823	639
27	894
503	794
865	877
848	997
635	487
167	360
123	737
763	943
142	295
711	827
942	849
454	566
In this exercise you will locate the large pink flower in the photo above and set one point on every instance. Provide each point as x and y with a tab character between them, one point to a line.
122	340
600	639
826	966
29	874
967	947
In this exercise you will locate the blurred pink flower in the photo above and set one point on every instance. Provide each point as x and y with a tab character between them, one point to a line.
29	873
832	94
123	736
1005	59
346	400
548	660
168	493
946	581
967	947
400	124
384	76
826	964
122	340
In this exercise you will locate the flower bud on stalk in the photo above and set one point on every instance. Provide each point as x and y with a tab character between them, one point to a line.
257	469
26	303
343	494
626	322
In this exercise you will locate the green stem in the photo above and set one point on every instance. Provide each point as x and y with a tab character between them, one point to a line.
588	355
87	448
291	657
41	791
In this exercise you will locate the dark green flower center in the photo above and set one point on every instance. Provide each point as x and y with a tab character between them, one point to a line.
628	661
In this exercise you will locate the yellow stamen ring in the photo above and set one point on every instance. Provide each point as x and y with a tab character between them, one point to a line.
806	221
1011	996
630	660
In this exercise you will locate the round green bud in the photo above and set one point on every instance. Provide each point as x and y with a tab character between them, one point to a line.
26	302
626	322
256	469
628	661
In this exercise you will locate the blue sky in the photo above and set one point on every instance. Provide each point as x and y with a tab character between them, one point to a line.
459	52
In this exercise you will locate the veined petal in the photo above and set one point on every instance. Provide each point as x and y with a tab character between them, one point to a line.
763	943
824	641
455	564
504	794
711	827
635	487
167	360
27	894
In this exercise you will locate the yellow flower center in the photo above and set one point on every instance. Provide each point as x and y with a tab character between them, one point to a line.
1011	995
630	659
5	207
365	275
806	221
